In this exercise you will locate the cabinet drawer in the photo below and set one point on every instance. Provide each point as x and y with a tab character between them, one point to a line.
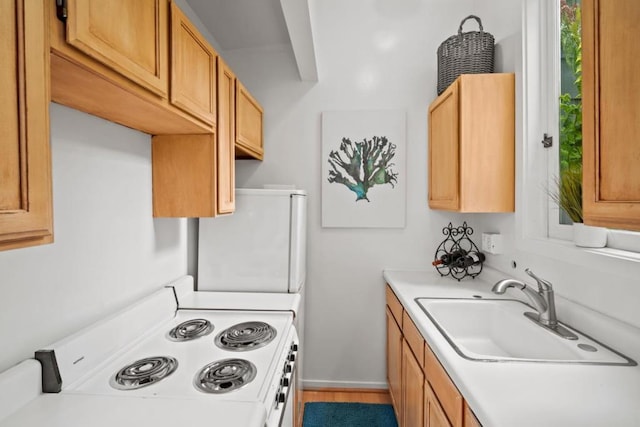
394	306
447	393
413	337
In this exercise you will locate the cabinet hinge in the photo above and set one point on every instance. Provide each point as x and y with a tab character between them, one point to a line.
61	10
547	141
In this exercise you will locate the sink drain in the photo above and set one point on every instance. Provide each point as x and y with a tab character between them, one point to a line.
587	347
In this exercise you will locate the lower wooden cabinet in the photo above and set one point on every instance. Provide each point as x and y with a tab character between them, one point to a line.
470	419
394	362
433	412
428	397
412	389
445	390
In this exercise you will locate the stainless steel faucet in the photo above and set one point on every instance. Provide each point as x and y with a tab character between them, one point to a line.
542	300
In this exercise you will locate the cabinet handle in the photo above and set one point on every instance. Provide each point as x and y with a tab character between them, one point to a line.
61	10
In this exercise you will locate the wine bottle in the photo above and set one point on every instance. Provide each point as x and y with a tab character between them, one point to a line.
449	258
472	258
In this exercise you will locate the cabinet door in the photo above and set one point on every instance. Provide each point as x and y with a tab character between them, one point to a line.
226	139
433	413
611	113
25	161
129	37
472	145
193	69
248	124
184	175
444	140
394	363
412	389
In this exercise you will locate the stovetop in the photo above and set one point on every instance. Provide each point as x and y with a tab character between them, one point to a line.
192	356
77	371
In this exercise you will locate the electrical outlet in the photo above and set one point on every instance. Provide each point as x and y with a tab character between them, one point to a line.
492	243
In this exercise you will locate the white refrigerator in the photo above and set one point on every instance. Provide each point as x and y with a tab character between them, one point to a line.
261	247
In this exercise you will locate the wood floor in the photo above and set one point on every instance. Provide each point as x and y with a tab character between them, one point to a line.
346	395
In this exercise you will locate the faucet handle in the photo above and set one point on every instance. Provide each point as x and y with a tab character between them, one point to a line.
543	285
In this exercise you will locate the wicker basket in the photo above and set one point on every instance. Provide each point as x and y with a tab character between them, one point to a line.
464	53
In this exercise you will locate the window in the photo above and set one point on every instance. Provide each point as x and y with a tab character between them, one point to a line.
562	99
552	100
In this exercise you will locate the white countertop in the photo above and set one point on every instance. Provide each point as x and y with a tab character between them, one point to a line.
522	393
69	410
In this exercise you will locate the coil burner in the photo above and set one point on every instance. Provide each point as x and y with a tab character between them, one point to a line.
246	336
144	372
225	375
190	330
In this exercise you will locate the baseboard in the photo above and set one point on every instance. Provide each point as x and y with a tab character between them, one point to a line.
360	386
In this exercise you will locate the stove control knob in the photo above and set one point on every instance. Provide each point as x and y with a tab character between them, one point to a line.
287	368
284	382
294	347
281	398
292	358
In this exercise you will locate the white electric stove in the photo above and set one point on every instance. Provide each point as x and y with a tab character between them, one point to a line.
204	363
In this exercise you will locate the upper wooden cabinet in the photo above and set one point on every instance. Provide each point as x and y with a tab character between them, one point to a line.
25	161
144	65
111	59
194	175
248	124
226	139
193	69
611	113
128	36
184	175
472	145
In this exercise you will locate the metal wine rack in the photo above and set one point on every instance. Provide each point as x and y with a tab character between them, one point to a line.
457	238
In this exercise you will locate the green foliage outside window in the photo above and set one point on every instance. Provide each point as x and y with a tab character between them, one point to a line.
569	183
570	100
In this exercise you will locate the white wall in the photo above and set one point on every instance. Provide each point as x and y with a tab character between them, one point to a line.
108	249
372	55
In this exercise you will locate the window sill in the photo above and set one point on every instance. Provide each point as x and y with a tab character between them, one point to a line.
625	263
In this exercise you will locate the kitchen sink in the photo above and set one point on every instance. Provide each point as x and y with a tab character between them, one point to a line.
496	330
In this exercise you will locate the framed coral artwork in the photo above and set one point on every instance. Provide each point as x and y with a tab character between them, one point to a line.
363	169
